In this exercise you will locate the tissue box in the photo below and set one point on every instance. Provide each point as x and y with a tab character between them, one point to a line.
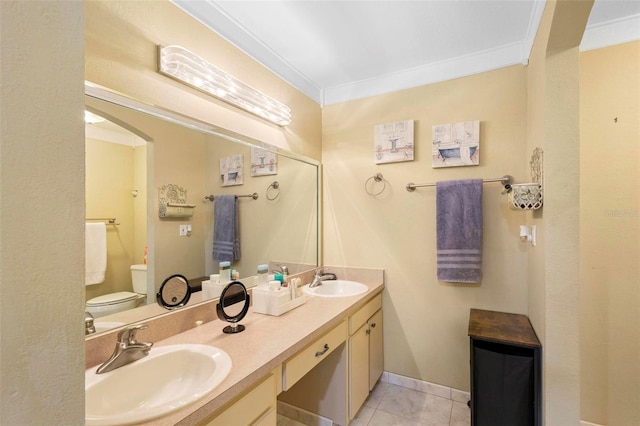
274	302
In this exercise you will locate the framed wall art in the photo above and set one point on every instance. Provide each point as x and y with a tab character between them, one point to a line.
231	170
456	144
393	142
263	162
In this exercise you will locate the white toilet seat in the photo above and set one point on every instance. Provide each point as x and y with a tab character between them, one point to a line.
112	299
113	303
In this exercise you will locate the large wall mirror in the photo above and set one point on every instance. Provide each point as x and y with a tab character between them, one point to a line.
137	153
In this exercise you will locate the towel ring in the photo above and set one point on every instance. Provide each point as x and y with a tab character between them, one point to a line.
377	178
275	185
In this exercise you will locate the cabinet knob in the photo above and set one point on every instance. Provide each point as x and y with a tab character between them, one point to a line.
368	331
373	325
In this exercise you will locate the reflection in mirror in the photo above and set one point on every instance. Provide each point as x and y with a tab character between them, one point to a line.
174	292
164	148
233	306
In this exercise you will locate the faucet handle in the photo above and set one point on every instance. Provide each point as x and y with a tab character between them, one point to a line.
89	326
128	335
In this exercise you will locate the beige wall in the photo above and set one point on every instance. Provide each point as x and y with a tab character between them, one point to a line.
42	213
610	234
179	164
177	154
140	173
553	124
109	182
121	39
426	320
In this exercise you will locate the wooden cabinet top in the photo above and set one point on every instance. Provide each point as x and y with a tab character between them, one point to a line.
502	327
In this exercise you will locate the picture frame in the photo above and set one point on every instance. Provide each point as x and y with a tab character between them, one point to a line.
231	170
393	142
263	162
456	144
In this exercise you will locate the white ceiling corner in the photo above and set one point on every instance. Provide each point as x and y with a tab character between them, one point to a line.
212	16
336	51
609	33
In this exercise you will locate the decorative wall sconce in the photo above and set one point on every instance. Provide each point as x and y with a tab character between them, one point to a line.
528	196
182	65
528	234
172	200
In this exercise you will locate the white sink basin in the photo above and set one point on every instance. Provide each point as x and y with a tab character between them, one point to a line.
336	288
169	378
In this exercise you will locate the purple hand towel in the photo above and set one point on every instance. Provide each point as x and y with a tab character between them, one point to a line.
459	230
226	229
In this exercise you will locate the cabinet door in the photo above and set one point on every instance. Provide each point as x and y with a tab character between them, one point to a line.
359	369
376	350
270	418
255	407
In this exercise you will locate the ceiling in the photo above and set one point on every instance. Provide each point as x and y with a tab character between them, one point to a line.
335	51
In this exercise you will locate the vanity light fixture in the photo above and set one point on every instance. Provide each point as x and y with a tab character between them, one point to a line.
183	65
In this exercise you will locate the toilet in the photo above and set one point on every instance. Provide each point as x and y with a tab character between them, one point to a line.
108	304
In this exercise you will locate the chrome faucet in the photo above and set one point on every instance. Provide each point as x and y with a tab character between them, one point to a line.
127	349
89	326
320	276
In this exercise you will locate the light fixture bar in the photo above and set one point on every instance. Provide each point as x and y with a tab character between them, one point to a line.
188	68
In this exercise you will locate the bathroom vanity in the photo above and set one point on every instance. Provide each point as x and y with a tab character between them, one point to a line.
323	356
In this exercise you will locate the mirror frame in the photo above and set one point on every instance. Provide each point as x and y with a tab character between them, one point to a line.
160	297
108	95
227	300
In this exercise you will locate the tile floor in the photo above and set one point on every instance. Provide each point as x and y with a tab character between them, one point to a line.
390	404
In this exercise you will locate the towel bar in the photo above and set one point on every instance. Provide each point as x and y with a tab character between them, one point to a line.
109	220
506	179
254	196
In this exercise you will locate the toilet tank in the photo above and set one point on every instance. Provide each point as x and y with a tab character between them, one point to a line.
139	278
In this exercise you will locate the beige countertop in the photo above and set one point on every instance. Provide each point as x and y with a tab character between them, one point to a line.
266	342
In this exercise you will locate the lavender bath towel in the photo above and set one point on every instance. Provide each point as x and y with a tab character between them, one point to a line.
226	229
459	230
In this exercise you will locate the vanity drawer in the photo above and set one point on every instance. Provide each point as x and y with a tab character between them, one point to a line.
295	368
358	319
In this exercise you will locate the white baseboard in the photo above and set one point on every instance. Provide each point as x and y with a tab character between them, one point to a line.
426	387
302	416
438	390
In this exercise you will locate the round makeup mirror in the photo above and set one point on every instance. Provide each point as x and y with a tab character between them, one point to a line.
233	306
174	292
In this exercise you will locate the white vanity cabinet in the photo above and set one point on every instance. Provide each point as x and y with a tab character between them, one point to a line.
366	360
333	376
256	407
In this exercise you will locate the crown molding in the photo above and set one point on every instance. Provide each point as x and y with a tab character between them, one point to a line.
215	18
610	33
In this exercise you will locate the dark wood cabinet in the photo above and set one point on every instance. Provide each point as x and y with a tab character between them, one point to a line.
505	370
